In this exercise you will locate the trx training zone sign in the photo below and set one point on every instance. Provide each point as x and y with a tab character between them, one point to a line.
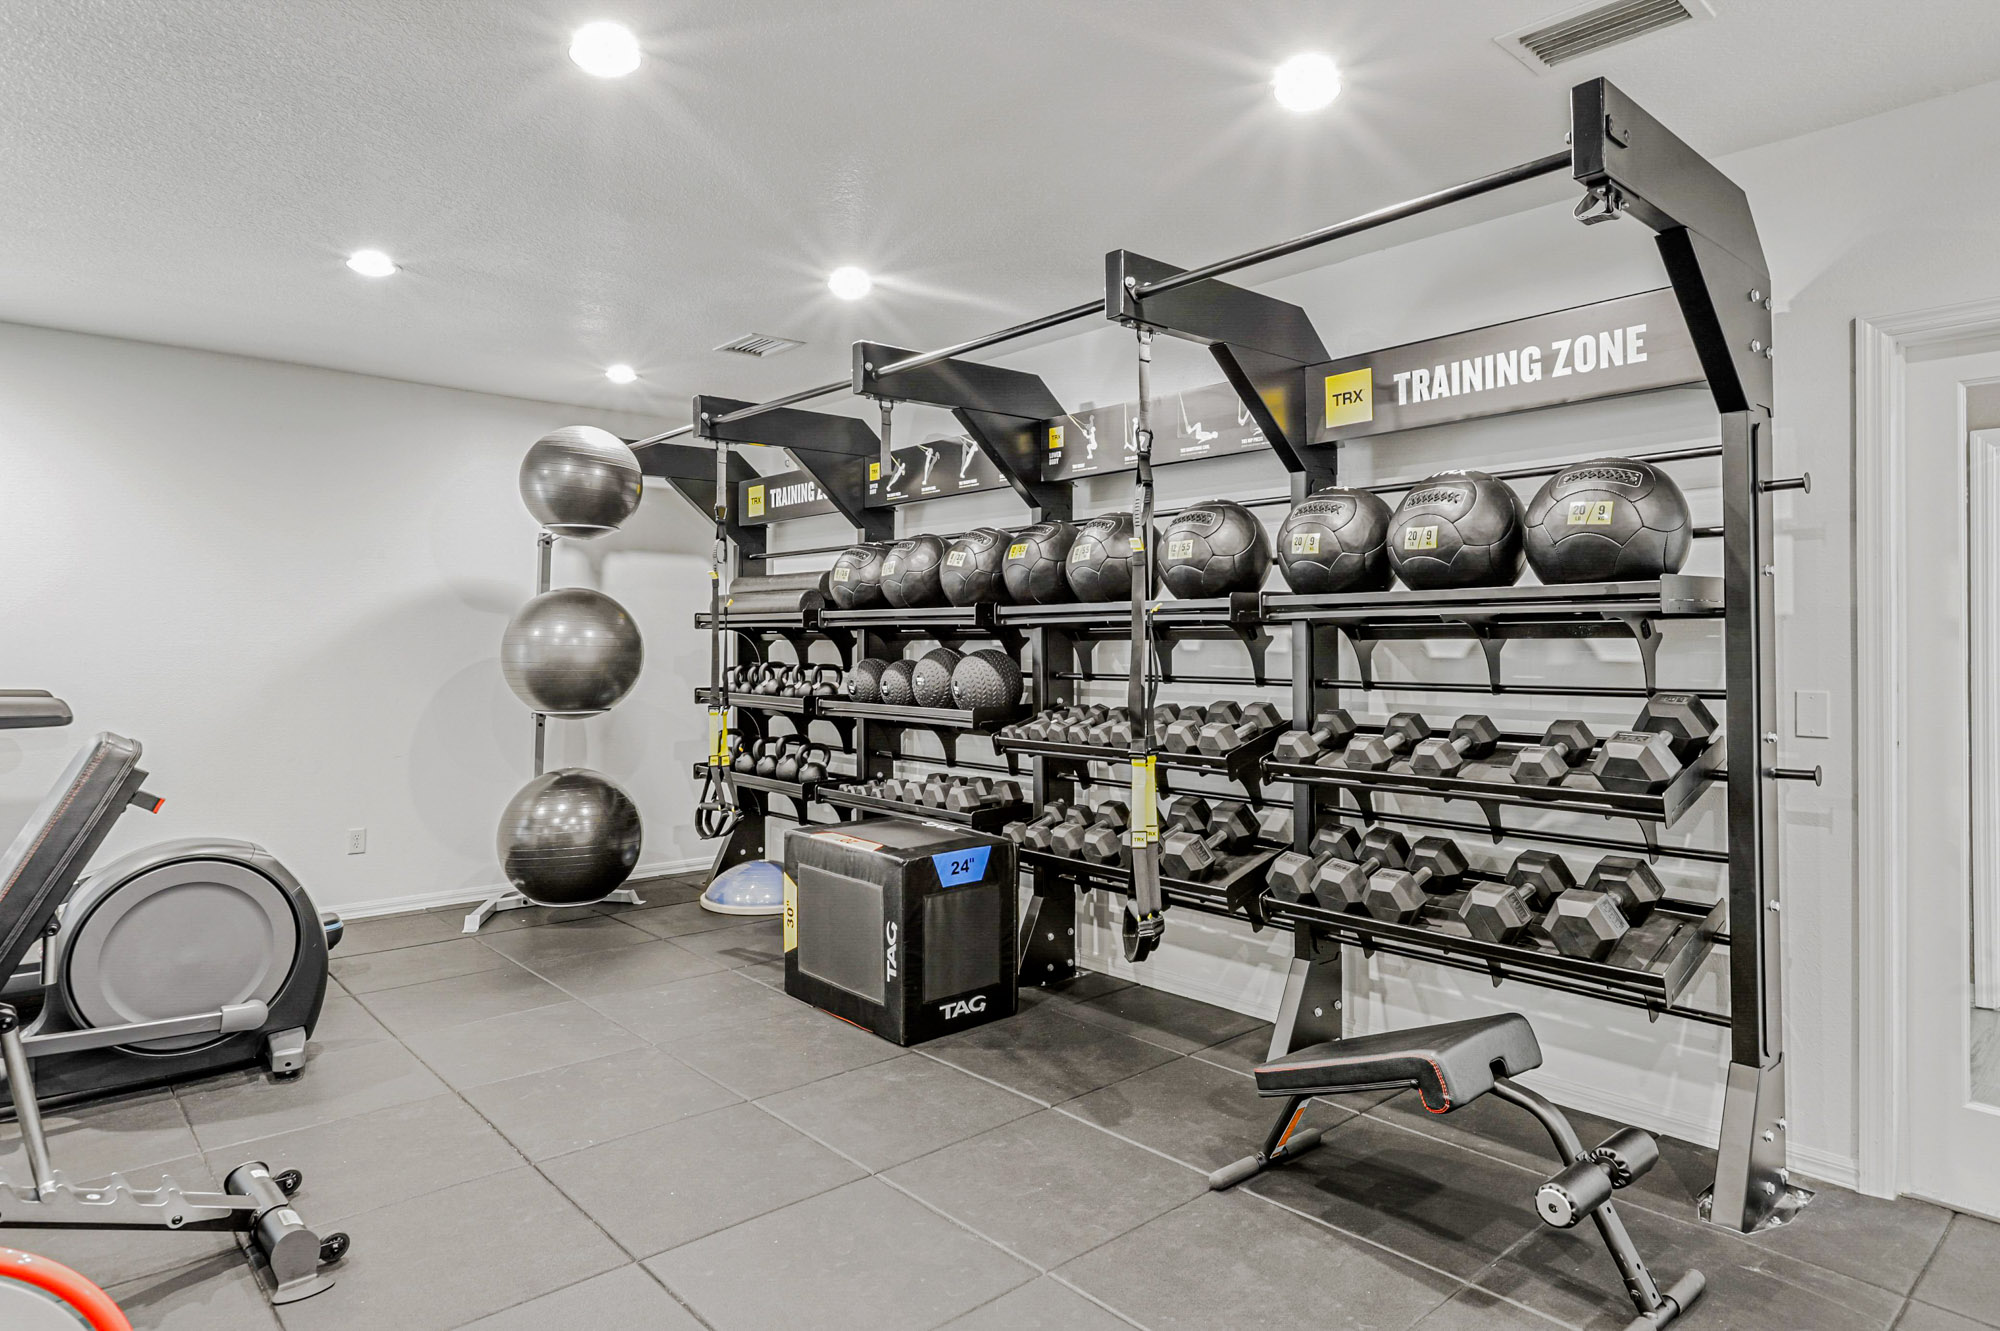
1633	344
780	495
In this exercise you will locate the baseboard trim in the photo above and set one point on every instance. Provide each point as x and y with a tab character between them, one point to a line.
466	896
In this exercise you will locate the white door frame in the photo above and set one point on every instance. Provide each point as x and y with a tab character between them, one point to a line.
1881	760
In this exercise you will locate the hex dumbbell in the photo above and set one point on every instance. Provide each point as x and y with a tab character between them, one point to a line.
1589	923
1042	836
1217	737
1502	912
1397	895
1103	841
1565	744
1341	881
1330	731
967	795
1373	753
1051	814
1672	730
1191	852
1472	736
1293	873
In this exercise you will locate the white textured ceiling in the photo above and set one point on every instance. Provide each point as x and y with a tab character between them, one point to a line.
194	171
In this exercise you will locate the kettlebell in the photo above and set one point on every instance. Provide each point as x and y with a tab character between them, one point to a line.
813	770
746	757
767	758
773	681
786	766
825	681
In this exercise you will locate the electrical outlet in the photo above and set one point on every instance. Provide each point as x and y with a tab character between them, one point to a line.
1812	714
357	841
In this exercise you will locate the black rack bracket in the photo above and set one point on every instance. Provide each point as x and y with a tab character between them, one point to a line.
690	470
834	450
1262	344
1001	410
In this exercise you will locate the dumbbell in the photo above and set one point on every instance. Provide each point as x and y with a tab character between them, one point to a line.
1330	730
1164	715
1341	881
1472	736
1183	735
935	791
1397	895
1114	729
1502	912
967	795
1183	813
1589	923
1069	837
1104	839
1564	745
1217	738
1672	730
1191	852
1052	813
1292	873
1372	753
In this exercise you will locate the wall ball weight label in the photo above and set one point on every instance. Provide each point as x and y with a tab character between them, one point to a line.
1420	538
1305	542
1180	549
1016	550
841	574
955	559
1585	513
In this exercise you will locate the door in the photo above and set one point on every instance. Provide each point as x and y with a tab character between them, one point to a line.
1951	498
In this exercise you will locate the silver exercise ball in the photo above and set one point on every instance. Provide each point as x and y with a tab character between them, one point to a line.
570	837
580	481
571	652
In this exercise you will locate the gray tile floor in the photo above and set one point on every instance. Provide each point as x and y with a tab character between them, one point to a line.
616	1119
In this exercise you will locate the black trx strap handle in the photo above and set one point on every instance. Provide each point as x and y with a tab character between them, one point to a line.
1145	913
716	813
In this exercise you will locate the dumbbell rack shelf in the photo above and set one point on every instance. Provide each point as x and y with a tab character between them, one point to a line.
1234	891
1490	786
987	818
1243	764
1650	967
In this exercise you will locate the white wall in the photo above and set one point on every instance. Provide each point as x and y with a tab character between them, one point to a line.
290	585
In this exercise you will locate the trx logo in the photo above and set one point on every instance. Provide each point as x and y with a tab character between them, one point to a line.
1590	513
754	498
1350	397
1420	538
889	966
962	1007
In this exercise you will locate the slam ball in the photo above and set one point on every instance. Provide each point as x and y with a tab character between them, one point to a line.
986	678
912	572
1457	529
1033	570
1336	541
971	571
1099	567
571	652
930	678
1214	549
1607	520
580	481
569	837
856	577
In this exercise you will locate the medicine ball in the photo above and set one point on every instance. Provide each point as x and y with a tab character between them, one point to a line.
930	682
972	563
581	481
987	678
895	686
1214	549
864	682
1099	567
1607	520
1457	529
1336	541
856	579
1033	569
910	572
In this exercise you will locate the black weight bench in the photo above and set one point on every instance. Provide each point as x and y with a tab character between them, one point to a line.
1450	1065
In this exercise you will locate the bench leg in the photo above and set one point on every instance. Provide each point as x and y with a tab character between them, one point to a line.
1655	1309
1284	1142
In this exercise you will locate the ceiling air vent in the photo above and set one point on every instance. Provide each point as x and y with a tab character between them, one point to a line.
760	345
1590	28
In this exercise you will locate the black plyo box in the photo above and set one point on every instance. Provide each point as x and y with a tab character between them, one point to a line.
907	929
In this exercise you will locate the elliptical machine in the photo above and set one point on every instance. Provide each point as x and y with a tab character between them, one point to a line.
197	925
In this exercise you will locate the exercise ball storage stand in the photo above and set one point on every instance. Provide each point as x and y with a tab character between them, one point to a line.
569	838
1630	169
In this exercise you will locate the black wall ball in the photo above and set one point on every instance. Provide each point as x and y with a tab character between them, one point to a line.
1608	520
972	565
1033	568
1214	549
1457	529
855	580
1336	541
912	572
1099	567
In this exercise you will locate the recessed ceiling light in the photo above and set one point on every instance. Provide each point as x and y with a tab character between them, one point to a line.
608	50
371	263
1306	82
849	283
621	374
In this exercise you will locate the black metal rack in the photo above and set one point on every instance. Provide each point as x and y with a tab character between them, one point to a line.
1629	166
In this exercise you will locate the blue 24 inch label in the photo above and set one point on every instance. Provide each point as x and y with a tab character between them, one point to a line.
962	866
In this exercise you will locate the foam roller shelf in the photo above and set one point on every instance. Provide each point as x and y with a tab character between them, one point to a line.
988	818
916	621
1243	765
1490	785
1650	967
795	622
1234	891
